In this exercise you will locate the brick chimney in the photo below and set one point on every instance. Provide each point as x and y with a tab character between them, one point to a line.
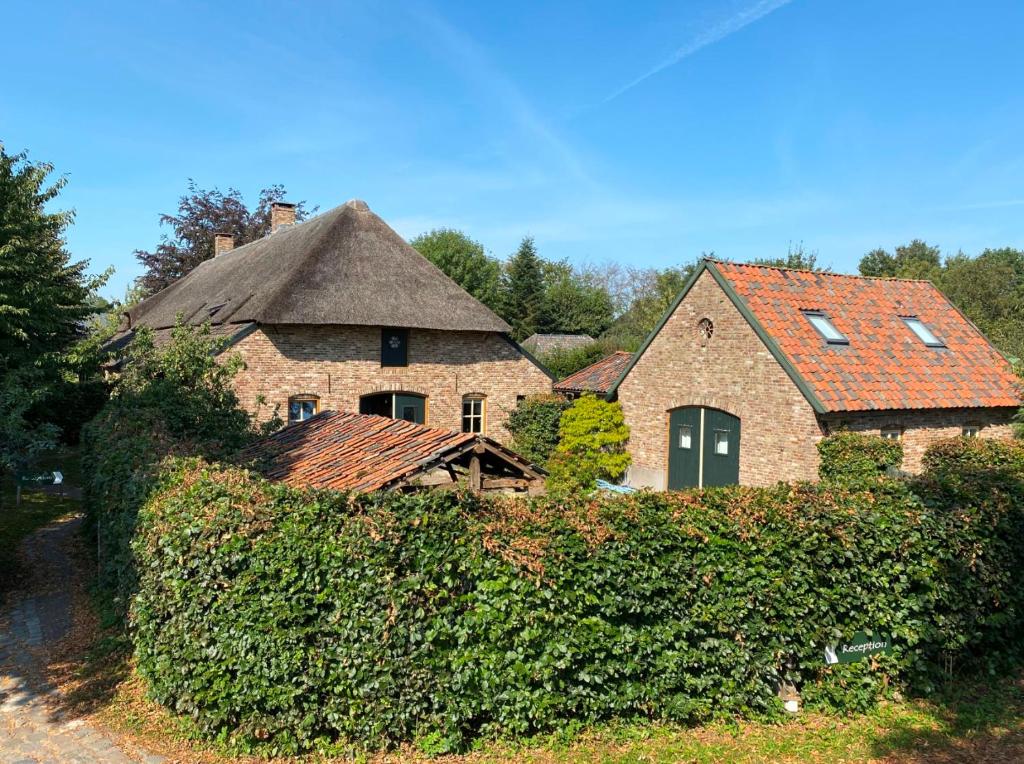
222	242
281	214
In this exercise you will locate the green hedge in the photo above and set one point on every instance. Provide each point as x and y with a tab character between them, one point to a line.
284	620
854	457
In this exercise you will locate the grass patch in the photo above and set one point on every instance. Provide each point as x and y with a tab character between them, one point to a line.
37	509
977	723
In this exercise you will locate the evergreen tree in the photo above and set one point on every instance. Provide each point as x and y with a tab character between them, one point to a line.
522	299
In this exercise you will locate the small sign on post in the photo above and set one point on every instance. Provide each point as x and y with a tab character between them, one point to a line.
858	647
45	478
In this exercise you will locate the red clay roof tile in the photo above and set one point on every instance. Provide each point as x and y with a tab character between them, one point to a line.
355	452
598	377
885	365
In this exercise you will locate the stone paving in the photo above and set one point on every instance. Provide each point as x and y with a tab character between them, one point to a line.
32	728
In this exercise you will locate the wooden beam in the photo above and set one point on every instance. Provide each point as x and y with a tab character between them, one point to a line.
495	483
474	473
507	459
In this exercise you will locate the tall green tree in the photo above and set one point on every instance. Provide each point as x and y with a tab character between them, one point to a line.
44	296
522	291
464	261
573	302
45	301
989	289
201	214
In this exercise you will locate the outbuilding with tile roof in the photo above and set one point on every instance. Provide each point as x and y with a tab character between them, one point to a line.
364	453
752	365
597	378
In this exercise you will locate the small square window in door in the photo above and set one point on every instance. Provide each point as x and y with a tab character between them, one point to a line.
409	413
685	436
721	442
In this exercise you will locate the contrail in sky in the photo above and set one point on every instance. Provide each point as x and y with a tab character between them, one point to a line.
709	36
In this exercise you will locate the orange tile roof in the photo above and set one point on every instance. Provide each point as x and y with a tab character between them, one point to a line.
885	365
356	452
598	377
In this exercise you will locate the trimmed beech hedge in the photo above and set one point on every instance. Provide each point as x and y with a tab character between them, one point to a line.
282	620
853	457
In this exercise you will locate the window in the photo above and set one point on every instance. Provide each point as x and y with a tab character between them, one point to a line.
892	433
721	443
923	332
473	413
394	347
302	407
685	436
826	328
970	430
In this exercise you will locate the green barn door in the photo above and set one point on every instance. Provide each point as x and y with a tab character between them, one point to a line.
684	448
721	448
411	408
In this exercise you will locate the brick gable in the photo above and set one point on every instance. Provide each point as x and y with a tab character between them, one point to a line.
733	371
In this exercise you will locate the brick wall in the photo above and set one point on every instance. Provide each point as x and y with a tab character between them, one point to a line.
733	371
923	427
341	363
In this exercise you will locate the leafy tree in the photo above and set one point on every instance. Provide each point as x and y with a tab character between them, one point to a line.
522	293
797	257
574	303
592	437
989	289
44	304
562	363
44	297
916	260
651	299
534	426
464	261
201	214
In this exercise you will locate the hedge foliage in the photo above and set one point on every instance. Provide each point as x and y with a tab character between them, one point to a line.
284	620
166	401
533	424
854	457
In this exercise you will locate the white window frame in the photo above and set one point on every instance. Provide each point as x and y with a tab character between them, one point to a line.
823	326
922	331
891	433
970	431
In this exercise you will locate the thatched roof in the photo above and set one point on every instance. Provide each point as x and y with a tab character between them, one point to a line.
542	344
346	266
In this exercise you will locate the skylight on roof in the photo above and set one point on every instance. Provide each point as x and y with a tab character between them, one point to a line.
826	328
923	332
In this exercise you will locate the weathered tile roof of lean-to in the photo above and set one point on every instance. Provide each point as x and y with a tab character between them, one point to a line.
597	378
885	365
356	452
346	266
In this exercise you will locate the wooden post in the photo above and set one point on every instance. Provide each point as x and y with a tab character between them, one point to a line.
475	481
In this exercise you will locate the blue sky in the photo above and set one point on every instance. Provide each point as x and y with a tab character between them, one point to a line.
645	133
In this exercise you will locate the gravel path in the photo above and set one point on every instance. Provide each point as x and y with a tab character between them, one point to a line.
32	622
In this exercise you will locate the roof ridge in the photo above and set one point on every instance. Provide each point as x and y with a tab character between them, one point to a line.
719	261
